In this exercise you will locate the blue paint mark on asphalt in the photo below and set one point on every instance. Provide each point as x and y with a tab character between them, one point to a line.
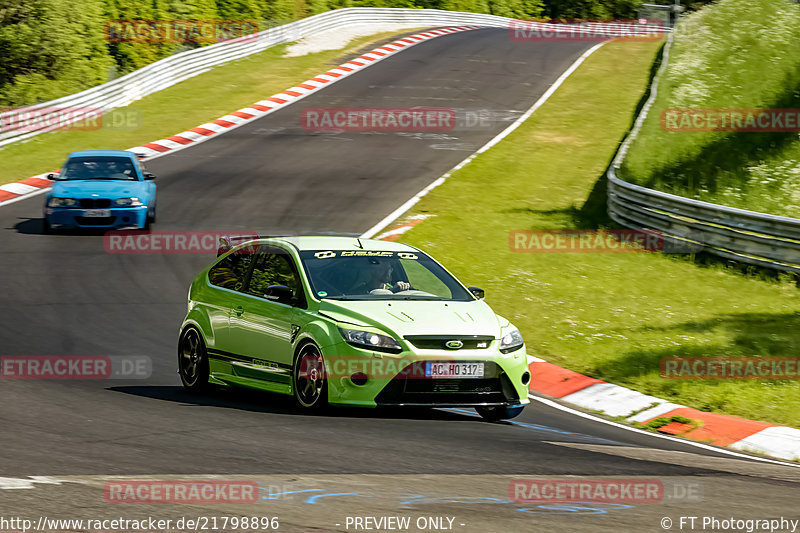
313	500
274	495
531	507
575	507
538	427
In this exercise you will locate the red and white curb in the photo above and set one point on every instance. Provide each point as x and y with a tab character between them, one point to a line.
616	401
396	232
28	187
287	97
22	189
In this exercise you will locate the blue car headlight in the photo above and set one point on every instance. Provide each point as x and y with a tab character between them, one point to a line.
62	202
124	202
511	340
370	341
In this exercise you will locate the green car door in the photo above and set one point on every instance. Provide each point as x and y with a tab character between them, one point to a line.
226	281
264	320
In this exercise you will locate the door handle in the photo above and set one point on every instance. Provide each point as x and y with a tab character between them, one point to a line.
239	310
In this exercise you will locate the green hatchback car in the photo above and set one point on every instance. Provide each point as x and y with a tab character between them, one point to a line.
349	321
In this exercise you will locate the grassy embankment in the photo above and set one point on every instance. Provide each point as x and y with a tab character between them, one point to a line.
609	315
728	55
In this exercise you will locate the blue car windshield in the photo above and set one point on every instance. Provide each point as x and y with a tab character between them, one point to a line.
98	168
380	275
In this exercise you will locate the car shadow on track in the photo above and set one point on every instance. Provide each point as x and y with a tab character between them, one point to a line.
265	402
30	226
35	226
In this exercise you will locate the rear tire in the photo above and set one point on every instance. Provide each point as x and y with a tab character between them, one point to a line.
309	380
193	361
495	414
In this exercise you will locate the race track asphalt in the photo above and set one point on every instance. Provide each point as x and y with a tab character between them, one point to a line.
64	295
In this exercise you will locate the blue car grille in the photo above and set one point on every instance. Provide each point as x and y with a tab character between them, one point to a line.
94	203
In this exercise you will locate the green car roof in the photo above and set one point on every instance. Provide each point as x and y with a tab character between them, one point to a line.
340	243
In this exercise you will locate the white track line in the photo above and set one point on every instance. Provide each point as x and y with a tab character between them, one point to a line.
239	122
701	445
394	215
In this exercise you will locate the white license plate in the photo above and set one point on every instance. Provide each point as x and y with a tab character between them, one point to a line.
453	370
97	213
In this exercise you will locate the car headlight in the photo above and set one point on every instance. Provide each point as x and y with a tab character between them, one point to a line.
511	341
62	202
128	201
370	341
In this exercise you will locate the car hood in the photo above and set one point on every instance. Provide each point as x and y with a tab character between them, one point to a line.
103	189
416	317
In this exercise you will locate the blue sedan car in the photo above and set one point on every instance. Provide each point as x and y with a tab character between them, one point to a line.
101	189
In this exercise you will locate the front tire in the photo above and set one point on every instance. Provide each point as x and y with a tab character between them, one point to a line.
193	361
309	380
495	414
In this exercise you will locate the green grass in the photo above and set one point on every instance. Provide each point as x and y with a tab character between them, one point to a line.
181	107
612	316
730	54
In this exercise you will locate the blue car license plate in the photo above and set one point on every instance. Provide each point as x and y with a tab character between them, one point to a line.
97	213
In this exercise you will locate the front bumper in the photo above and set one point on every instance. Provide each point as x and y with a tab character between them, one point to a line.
370	379
118	217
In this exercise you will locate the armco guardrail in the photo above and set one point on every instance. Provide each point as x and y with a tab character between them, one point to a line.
747	236
179	67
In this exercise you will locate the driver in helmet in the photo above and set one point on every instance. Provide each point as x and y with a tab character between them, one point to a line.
379	271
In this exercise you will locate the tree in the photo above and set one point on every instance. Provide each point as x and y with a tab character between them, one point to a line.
48	49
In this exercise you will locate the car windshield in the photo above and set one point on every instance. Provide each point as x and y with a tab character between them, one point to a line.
380	275
98	168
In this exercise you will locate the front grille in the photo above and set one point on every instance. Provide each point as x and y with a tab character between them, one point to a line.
95	221
439	342
94	203
411	386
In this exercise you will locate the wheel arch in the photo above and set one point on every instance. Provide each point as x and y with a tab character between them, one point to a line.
200	320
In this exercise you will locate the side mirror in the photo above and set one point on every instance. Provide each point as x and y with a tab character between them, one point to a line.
148	176
52	177
280	293
477	292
